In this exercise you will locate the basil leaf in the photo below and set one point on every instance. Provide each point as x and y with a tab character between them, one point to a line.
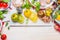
55	16
6	24
8	28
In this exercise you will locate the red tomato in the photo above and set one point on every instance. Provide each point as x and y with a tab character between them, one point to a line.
57	26
1	4
5	5
3	39
3	36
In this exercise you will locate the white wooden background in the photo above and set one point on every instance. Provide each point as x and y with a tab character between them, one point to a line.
32	33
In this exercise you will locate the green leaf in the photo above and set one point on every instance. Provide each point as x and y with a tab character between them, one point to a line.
6	24
33	1
8	28
1	12
27	5
5	11
1	16
37	4
23	6
55	16
58	11
37	9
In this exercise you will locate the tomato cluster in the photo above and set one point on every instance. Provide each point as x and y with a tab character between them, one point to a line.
3	5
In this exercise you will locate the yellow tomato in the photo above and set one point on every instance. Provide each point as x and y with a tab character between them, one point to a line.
33	17
27	13
58	17
48	12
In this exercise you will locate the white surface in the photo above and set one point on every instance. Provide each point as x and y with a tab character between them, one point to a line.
32	33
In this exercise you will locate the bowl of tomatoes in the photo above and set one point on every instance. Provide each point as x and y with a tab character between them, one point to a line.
4	4
56	16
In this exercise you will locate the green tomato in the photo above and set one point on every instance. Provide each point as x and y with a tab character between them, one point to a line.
6	0
20	19
1	12
14	17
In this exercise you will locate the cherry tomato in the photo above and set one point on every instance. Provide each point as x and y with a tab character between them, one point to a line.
5	5
57	28
3	37
1	4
